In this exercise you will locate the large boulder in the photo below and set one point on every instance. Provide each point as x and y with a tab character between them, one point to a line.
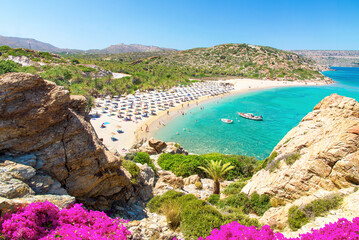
321	153
39	118
158	145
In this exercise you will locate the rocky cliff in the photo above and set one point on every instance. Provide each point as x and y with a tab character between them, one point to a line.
317	158
40	118
320	153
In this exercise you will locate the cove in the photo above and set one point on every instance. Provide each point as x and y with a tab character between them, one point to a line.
201	131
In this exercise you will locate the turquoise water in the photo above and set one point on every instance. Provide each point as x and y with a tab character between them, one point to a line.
282	109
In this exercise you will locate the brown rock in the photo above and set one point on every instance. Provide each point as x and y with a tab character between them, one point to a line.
41	118
157	144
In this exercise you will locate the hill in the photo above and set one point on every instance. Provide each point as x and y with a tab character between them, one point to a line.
337	58
123	48
16	42
243	60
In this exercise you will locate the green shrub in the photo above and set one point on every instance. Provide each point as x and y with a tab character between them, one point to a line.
299	217
185	166
234	188
130	156
132	168
86	69
241	218
213	199
296	218
4	48
144	158
289	160
8	66
199	219
259	204
321	206
256	203
267	161
158	201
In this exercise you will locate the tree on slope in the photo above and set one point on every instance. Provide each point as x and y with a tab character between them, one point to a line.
216	171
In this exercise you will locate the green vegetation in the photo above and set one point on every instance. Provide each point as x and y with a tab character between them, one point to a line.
132	168
234	188
192	216
216	171
256	203
298	217
8	66
144	158
186	166
267	161
289	160
162	70
213	199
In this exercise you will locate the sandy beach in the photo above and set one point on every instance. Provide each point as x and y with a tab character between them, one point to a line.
135	131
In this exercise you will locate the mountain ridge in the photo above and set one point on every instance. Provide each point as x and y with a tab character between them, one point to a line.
17	42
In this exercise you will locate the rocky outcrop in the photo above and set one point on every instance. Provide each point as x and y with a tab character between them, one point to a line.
39	118
326	144
20	182
154	146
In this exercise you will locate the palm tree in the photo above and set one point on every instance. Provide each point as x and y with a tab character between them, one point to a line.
216	171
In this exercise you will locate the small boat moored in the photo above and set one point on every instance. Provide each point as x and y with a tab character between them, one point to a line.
250	116
226	120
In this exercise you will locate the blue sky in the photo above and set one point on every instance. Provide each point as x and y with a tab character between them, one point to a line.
184	24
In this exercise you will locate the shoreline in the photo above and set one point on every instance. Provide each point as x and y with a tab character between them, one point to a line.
135	131
154	123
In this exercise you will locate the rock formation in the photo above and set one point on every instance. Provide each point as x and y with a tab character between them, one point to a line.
326	142
154	146
40	118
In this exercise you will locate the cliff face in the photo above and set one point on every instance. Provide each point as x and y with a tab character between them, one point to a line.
38	117
321	153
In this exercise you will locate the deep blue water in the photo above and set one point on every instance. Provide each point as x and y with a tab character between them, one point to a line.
282	109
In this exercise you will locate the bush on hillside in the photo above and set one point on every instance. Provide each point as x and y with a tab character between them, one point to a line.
256	203
132	168
213	199
234	188
298	217
9	66
144	158
185	166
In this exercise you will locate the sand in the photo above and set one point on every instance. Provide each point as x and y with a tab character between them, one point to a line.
135	131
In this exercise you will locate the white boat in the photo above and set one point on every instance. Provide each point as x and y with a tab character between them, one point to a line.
226	120
250	116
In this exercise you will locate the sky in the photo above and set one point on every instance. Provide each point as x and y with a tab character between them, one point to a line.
185	24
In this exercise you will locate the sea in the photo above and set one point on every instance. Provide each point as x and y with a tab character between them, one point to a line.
201	131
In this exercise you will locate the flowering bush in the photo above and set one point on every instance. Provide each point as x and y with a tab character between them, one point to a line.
340	230
43	220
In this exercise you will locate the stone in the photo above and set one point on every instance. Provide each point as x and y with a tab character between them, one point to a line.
158	145
327	142
37	117
191	179
18	171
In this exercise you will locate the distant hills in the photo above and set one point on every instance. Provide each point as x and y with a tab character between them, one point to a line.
242	60
29	43
337	58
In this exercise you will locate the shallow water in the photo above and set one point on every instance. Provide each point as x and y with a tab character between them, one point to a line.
201	131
